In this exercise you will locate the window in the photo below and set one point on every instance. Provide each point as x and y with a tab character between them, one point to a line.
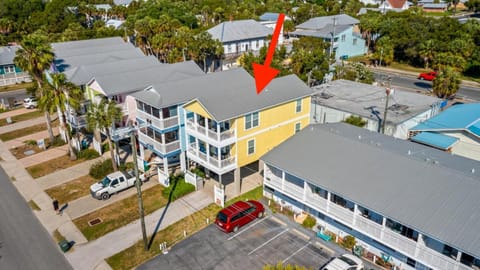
354	41
298	107
257	44
155	112
114	183
297	127
229	48
344	37
139	105
122	179
251	120
147	108
9	69
251	147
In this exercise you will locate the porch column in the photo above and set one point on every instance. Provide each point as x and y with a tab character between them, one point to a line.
459	256
142	151
183	165
420	243
219	157
206	126
237	181
218	132
208	151
195	121
261	165
165	166
283	180
384	222
355	213
305	186
164	150
329	196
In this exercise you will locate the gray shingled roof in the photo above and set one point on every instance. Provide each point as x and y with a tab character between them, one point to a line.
7	54
84	73
356	98
65	64
321	22
239	30
93	50
135	80
122	2
77	44
226	94
429	190
325	32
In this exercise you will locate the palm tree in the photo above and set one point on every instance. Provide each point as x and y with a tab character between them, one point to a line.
103	116
35	56
60	97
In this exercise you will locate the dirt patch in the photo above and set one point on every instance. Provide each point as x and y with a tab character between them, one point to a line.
72	190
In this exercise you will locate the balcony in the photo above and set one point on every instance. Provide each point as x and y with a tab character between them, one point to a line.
13	78
211	136
219	166
162	148
157	122
77	121
366	226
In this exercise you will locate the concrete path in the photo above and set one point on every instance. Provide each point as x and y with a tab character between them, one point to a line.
68	174
120	239
88	204
34	136
31	190
16	112
22	124
44	156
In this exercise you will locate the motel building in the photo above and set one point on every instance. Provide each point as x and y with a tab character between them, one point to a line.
414	205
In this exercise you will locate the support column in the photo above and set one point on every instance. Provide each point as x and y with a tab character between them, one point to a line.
219	156
165	166
183	165
459	255
261	165
206	126
384	222
208	151
237	181
420	243
355	213
218	132
329	196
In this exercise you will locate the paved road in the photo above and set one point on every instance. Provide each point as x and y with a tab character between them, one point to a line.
17	95
25	244
407	82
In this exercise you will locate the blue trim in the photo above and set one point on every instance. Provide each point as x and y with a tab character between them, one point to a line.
171	154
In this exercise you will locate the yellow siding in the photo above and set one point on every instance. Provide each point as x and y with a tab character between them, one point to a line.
275	126
196	107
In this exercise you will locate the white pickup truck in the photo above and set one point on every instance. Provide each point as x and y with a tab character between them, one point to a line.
113	183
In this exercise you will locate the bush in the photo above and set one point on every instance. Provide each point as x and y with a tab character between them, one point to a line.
348	242
309	222
88	154
127	166
57	141
178	188
101	168
198	172
105	148
30	142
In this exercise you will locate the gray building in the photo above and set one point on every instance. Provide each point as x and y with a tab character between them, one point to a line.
9	72
414	206
340	99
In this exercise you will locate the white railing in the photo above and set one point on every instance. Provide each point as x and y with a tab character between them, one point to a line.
227	162
157	122
212	134
369	227
227	134
399	242
293	189
317	201
162	148
202	155
273	180
341	213
13	78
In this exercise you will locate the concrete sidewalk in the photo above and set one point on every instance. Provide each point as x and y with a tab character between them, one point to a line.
15	112
31	190
22	124
100	249
44	156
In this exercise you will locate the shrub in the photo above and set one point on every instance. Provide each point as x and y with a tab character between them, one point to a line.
101	168
105	148
88	154
198	172
178	188
127	166
30	142
57	141
309	222
348	242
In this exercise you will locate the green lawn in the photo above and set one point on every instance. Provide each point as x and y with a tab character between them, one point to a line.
26	131
15	87
23	117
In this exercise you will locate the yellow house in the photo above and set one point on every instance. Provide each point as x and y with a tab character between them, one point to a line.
229	126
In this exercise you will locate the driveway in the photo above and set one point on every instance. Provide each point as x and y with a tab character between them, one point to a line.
265	241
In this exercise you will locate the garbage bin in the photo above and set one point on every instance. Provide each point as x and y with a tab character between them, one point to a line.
64	245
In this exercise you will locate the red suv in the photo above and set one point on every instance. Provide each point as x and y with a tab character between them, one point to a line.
238	214
429	76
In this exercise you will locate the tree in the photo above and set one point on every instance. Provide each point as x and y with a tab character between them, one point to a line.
355	120
62	95
427	51
384	50
35	56
446	83
204	47
103	116
354	72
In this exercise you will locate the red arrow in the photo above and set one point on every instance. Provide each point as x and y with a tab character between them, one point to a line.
264	74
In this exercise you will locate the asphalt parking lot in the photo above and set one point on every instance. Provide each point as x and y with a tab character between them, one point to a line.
264	241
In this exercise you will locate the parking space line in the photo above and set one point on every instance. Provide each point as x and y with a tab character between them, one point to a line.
271	239
295	253
301	234
251	225
322	247
279	221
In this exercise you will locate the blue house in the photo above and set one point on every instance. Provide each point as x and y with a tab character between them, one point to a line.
9	73
342	29
456	130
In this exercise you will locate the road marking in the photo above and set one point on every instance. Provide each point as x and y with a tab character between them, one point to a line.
279	221
322	247
271	239
295	253
301	234
251	225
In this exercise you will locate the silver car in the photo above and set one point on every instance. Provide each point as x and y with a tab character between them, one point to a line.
30	102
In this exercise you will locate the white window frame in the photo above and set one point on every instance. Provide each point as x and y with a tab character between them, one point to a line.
248	147
295	129
344	37
252	121
9	69
298	105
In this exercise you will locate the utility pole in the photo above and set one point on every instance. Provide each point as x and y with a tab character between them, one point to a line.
333	38
387	91
139	190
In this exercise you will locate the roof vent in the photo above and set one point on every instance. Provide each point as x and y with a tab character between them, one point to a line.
378	144
427	160
325	95
359	137
435	162
473	170
409	152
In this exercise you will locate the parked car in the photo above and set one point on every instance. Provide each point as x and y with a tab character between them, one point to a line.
239	214
344	262
113	183
429	76
30	102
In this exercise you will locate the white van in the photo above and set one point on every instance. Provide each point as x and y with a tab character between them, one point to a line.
30	102
344	262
